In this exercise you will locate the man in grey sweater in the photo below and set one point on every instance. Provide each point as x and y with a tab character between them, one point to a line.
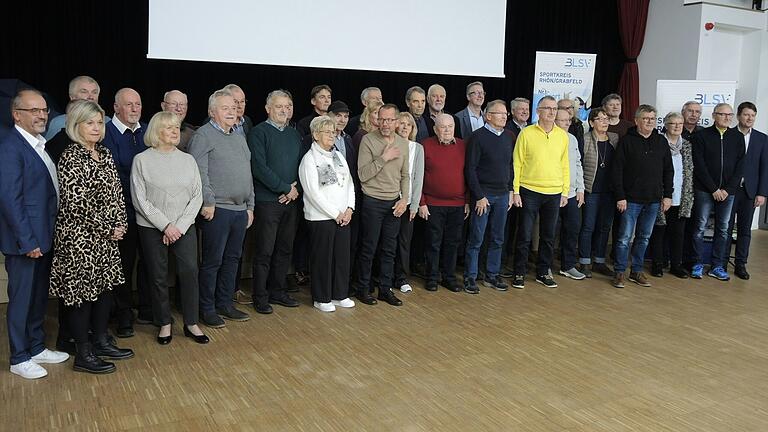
223	158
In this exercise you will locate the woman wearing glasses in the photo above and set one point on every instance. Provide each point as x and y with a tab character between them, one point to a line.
329	199
597	215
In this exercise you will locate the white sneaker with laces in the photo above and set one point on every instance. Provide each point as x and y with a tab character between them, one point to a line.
406	288
325	307
29	370
346	303
50	356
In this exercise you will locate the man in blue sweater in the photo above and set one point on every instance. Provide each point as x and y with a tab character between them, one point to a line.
125	139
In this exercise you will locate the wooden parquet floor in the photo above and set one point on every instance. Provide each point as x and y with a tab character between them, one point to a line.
679	356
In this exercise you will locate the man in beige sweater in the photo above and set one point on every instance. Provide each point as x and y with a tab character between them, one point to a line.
383	169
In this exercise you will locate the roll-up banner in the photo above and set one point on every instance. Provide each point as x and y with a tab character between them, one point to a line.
564	76
671	95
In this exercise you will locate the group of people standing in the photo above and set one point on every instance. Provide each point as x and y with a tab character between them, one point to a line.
353	203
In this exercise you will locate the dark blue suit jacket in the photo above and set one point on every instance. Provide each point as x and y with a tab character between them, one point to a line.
756	165
27	198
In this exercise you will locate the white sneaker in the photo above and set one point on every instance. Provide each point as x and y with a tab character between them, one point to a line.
50	356
325	307
346	303
406	288
29	370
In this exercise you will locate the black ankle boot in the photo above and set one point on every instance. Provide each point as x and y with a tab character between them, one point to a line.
86	361
102	347
657	269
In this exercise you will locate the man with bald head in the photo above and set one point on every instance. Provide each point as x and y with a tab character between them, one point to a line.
28	206
124	138
80	88
444	203
176	102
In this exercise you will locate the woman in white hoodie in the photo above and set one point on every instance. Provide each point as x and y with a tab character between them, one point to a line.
329	199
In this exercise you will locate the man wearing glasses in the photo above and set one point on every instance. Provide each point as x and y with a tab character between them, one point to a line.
471	118
642	181
385	179
488	171
176	102
541	187
28	205
718	156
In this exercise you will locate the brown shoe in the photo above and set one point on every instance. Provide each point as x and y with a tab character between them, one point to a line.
639	278
618	280
242	298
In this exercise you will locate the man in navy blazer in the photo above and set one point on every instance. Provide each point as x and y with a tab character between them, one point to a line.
754	186
471	118
28	206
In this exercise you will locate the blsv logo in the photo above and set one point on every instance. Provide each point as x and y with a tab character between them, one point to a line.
577	62
706	99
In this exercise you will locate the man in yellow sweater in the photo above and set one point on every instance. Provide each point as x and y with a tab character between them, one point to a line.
541	185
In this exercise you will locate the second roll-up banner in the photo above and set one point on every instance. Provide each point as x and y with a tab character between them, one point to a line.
564	76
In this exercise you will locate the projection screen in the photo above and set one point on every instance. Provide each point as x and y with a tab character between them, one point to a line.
451	37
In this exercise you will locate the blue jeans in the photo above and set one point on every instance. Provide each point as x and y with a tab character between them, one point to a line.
704	203
222	244
644	216
597	220
495	219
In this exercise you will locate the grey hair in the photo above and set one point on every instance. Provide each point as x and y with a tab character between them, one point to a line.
320	122
720	105
547	98
645	108
474	83
278	93
166	94
230	87
689	103
517	101
672	115
16	101
609	98
412	90
434	87
364	93
217	94
76	80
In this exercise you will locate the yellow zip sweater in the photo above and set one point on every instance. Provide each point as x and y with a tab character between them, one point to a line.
541	161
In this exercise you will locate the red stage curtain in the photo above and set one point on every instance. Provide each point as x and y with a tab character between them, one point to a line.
633	15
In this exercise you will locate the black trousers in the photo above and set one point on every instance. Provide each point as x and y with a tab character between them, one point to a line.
443	236
156	253
403	253
329	260
92	316
742	213
379	228
547	207
673	234
130	257
275	226
301	240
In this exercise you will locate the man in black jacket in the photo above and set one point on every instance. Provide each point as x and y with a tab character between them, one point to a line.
642	179
718	157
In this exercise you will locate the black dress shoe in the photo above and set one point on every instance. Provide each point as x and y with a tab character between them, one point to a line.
285	300
102	348
212	320
86	361
431	286
453	286
164	340
66	345
263	308
233	314
679	272
367	299
388	296
201	339
657	270
741	272
124	332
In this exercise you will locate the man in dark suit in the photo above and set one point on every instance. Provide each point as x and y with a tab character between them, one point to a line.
471	118
520	110
28	205
754	186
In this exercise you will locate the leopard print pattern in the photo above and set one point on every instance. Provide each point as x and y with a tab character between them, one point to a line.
85	261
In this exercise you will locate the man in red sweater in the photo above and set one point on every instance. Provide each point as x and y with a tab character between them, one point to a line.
444	202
